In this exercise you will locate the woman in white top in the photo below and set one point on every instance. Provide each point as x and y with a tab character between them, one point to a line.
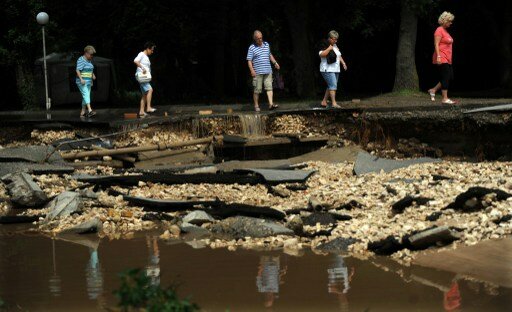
330	67
143	65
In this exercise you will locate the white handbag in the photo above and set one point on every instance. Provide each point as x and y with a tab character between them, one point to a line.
143	77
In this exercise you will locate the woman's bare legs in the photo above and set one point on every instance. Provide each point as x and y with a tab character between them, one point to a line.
332	94
326	97
149	96
142	105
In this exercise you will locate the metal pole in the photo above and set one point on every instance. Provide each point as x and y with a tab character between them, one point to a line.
45	73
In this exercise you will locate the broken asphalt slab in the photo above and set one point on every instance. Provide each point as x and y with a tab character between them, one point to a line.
337	245
216	207
367	163
247	176
473	199
277	176
442	235
33	168
33	154
164	205
93	225
63	205
241	227
23	191
487	261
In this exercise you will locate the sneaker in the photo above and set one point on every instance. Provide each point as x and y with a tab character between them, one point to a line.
91	113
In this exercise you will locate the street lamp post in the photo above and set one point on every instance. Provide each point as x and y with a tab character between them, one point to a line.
43	18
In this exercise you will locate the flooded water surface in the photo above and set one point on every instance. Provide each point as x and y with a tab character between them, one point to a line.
80	274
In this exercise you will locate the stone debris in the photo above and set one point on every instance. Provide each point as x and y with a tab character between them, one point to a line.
352	211
23	191
478	198
442	235
194	230
93	225
198	217
339	244
322	218
63	205
240	227
408	201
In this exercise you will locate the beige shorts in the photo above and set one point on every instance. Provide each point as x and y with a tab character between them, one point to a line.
262	81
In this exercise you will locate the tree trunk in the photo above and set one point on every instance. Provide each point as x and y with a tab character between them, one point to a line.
304	73
406	77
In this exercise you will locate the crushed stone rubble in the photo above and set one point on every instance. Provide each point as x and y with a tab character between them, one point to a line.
361	205
334	186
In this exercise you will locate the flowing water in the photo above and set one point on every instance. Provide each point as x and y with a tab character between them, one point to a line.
80	274
252	125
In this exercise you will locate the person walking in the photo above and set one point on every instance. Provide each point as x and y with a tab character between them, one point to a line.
331	62
442	57
259	59
144	66
84	80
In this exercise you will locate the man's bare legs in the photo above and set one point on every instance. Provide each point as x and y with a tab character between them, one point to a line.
270	95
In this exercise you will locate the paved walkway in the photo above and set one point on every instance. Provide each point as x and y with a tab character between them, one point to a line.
115	116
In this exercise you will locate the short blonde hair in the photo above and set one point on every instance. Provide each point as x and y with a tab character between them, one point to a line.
90	49
445	17
334	34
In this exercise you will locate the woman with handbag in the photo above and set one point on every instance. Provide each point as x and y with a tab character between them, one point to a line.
84	80
143	76
330	67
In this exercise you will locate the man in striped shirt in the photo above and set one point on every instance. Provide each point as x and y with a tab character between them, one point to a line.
258	60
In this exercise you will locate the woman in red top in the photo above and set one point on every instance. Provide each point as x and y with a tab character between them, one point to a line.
442	57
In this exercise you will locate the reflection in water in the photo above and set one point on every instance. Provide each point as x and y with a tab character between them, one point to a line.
269	278
54	281
93	275
338	280
29	279
451	298
153	266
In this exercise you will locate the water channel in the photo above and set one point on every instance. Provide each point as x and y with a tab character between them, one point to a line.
80	274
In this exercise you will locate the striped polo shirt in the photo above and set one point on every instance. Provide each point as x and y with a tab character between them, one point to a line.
260	57
85	68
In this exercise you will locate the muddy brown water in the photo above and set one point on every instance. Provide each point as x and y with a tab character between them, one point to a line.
41	274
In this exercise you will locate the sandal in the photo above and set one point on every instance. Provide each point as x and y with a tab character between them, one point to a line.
273	106
91	113
143	115
257	108
152	110
432	96
449	102
335	106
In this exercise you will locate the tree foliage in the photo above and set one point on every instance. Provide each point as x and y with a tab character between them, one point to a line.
136	292
201	45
